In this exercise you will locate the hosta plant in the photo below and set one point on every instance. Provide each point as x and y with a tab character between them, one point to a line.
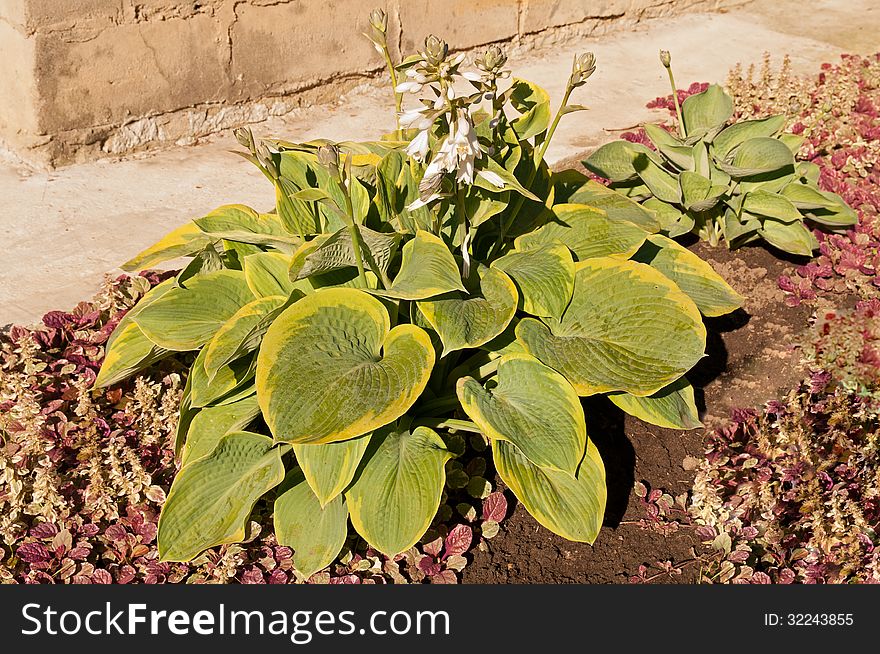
439	280
738	182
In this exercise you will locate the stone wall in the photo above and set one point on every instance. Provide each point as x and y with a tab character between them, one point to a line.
82	78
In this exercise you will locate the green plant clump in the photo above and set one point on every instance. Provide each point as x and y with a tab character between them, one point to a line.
737	182
403	291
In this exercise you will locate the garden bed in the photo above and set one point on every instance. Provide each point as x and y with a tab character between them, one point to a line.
87	472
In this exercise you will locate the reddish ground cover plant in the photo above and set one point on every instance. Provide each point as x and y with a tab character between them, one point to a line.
83	473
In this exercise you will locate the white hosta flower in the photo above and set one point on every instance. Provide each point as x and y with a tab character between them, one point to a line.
418	147
408	86
466	147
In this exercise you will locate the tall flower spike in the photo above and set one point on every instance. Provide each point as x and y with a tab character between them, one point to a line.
583	66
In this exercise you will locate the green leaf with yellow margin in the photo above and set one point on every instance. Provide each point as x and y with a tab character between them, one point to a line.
587	232
427	269
128	350
397	491
628	328
185	318
543	276
672	407
212	423
316	532
330	368
616	205
242	333
712	295
223	387
211	499
240	223
266	274
531	406
180	242
330	467
464	321
571	506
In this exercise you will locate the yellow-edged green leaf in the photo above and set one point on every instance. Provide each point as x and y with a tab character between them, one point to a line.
128	350
427	269
242	333
464	320
628	328
544	277
672	407
587	232
237	222
397	491
329	369
533	407
266	274
316	532
185	318
177	243
616	205
224	385
212	423
211	499
568	505
336	252
533	104
712	295
330	467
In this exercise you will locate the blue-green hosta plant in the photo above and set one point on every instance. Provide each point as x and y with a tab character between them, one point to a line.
738	182
440	280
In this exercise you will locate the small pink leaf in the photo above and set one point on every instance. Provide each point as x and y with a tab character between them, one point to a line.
459	540
33	553
495	507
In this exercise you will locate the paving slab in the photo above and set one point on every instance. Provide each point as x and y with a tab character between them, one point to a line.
65	229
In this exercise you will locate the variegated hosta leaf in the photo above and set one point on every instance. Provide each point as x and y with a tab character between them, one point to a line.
587	232
543	276
226	384
212	423
794	238
242	333
712	295
329	369
237	222
568	505
128	350
427	269
180	242
470	320
211	499
628	328
330	467
672	407
337	252
397	491
267	274
616	205
338	277
316	532
533	407
185	318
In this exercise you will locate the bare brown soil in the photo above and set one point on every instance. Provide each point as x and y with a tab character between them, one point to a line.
751	358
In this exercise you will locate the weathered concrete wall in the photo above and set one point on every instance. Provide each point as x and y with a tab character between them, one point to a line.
81	78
